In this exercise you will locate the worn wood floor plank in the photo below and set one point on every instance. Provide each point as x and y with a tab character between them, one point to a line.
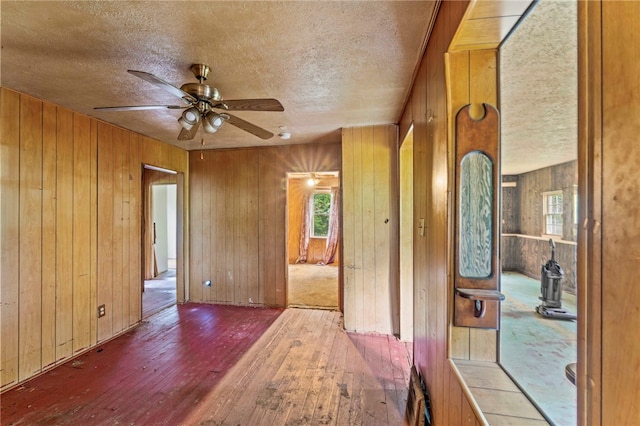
315	373
222	365
117	382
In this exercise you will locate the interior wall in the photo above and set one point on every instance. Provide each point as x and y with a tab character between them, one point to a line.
609	235
238	216
472	79
71	231
406	237
161	227
524	246
370	297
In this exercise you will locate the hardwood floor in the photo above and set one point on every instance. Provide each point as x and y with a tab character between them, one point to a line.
159	293
154	374
223	365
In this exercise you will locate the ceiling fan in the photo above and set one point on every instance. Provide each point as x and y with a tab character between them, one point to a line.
200	102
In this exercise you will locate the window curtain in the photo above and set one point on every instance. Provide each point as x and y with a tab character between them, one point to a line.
304	228
334	228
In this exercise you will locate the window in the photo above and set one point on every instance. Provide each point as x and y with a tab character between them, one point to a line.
321	208
552	213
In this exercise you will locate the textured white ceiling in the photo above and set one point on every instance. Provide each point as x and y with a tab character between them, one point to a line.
331	64
539	89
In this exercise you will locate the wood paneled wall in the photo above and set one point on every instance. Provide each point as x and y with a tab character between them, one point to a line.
472	79
70	231
238	215
522	214
609	236
533	184
371	296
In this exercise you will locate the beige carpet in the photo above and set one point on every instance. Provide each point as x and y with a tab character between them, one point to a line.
313	286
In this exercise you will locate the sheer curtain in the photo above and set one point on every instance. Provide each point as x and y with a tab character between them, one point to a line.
304	228
334	228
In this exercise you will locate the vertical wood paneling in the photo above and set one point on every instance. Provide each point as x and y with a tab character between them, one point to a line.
238	220
406	237
348	223
30	245
197	228
9	235
217	187
458	88
49	134
59	258
126	230
368	283
93	251
117	139
252	224
419	112
385	140
367	235
620	212
64	235
135	231
105	228
267	230
472	79
431	185
82	311
207	213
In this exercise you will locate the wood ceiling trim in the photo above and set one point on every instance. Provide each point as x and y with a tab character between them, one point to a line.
487	23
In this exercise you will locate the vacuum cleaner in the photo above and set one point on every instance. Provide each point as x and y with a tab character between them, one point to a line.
551	288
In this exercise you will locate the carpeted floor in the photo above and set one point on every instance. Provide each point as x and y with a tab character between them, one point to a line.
313	286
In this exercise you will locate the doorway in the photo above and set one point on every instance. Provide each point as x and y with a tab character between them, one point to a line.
539	141
313	233
159	289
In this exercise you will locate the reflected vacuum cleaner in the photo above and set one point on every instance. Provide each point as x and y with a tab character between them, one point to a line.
551	289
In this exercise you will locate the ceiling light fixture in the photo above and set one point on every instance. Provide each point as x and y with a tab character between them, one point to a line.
213	121
190	118
312	181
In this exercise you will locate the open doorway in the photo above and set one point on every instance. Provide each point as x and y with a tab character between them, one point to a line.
313	233
539	140
159	288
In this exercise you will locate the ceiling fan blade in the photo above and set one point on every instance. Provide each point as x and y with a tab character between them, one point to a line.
248	127
187	135
158	82
139	107
251	105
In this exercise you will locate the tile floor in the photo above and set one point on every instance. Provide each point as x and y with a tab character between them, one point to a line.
535	350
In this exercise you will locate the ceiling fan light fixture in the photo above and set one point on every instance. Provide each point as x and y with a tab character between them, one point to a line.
213	121
190	118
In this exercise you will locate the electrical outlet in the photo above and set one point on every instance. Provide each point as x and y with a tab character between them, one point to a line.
102	311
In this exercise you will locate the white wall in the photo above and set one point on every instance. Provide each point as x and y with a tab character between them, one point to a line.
164	216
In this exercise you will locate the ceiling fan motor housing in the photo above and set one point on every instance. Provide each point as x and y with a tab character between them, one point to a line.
202	92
